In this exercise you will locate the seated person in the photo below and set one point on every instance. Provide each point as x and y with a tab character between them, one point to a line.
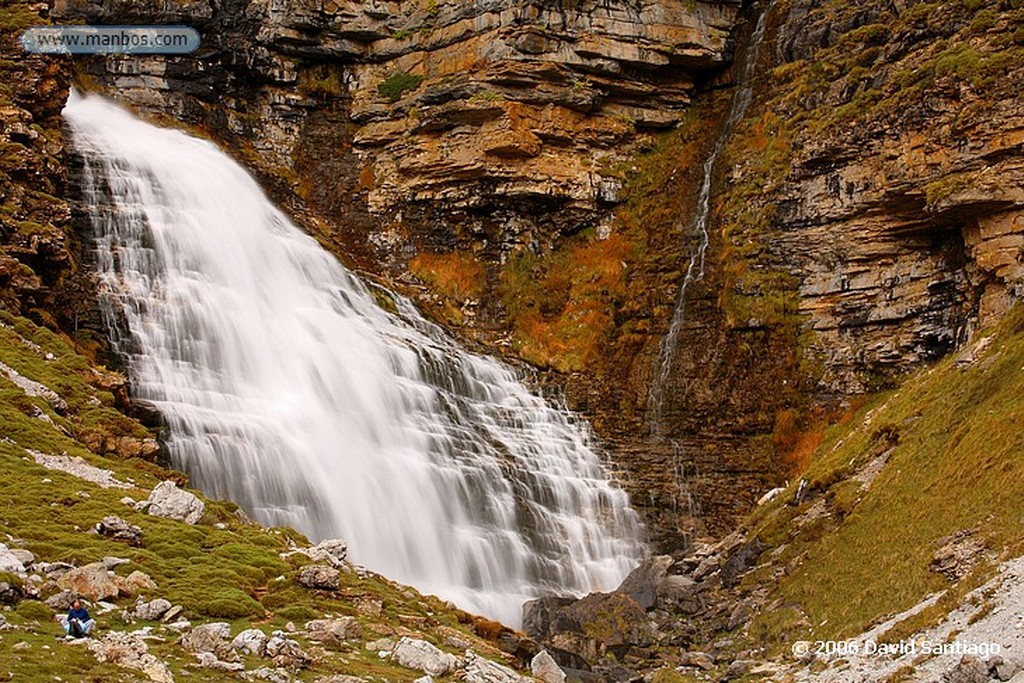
78	623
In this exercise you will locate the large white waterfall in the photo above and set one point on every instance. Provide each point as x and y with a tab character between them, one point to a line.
286	388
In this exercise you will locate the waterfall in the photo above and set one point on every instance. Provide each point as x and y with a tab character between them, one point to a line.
286	388
695	267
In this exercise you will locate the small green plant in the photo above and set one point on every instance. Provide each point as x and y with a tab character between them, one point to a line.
395	85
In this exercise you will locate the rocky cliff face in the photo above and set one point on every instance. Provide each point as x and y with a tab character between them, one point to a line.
528	171
474	155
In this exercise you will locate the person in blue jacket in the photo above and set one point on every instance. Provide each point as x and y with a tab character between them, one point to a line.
78	623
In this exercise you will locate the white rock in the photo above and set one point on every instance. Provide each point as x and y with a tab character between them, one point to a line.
480	670
207	637
250	641
168	501
153	610
545	669
419	654
9	562
333	551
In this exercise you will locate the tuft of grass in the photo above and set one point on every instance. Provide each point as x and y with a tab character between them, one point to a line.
395	86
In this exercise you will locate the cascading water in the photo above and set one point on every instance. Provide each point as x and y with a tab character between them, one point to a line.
286	388
695	268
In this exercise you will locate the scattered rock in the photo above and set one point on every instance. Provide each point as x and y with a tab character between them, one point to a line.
698	660
740	561
153	610
9	561
208	660
545	669
320	576
265	673
93	581
959	554
26	557
116	528
333	630
419	654
738	669
251	641
129	650
970	669
135	583
61	602
332	551
213	637
480	670
286	653
170	502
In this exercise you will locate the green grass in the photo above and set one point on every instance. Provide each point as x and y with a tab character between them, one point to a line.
957	463
395	86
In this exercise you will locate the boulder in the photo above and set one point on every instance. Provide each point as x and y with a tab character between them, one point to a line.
545	669
9	561
26	557
251	641
153	610
116	528
320	577
480	670
538	614
212	637
135	583
333	630
644	583
421	655
93	581
286	653
332	551
170	502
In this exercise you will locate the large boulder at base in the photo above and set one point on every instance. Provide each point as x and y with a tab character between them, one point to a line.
214	637
170	502
537	615
9	561
599	623
480	670
644	583
93	581
332	551
421	655
320	577
545	669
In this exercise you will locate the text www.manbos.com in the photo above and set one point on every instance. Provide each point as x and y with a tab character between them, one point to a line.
110	39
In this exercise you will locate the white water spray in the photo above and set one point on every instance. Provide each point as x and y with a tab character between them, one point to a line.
286	388
695	268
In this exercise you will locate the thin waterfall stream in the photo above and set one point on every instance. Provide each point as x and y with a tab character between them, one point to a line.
286	388
695	267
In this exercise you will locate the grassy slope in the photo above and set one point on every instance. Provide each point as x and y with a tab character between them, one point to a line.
957	462
224	568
